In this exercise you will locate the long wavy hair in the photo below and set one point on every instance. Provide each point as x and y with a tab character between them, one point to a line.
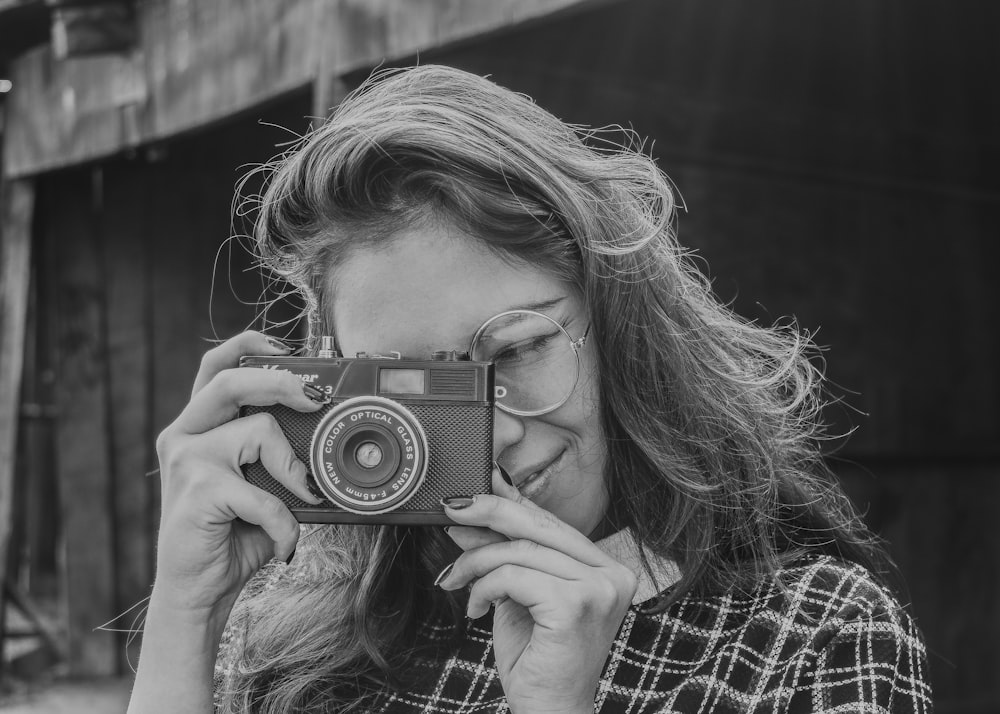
712	422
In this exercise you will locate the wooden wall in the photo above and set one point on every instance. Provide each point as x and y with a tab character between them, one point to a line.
135	280
197	64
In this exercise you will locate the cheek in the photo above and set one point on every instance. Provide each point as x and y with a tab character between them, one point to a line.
581	416
587	396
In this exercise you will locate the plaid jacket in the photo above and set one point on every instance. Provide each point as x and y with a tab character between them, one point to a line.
833	641
836	642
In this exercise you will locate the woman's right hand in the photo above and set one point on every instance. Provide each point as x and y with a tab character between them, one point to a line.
216	529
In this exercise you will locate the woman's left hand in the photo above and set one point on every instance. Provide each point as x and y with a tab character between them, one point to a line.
559	600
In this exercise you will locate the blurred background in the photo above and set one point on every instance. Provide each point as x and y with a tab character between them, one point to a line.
838	163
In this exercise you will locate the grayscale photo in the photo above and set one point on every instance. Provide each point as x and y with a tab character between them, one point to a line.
499	356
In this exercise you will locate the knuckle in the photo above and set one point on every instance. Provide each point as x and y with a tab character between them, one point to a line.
290	382
170	454
505	572
491	508
492	504
213	356
226	379
271	505
546	520
629	582
606	594
520	499
266	423
291	463
164	442
523	546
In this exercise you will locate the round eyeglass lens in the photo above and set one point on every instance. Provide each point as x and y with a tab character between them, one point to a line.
535	362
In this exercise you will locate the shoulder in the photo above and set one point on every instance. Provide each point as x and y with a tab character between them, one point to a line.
808	602
822	634
831	591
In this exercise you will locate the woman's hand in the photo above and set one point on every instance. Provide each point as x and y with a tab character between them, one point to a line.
217	530
559	600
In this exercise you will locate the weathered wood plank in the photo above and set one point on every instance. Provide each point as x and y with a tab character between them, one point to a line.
64	113
208	61
101	27
128	268
16	211
175	288
86	480
198	63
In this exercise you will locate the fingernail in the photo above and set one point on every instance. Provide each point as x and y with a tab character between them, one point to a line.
288	560
301	474
503	474
316	394
443	574
457	503
314	490
278	345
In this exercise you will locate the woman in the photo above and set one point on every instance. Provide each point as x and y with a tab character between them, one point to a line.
661	535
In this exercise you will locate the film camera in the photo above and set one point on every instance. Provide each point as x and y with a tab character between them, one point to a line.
398	435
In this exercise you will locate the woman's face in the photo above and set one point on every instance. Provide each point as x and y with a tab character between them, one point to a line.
430	288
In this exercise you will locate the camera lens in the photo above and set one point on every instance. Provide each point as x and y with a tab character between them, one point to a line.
369	455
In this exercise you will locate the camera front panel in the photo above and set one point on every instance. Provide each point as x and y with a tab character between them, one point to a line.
457	426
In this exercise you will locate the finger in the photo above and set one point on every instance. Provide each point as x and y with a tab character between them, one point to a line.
266	510
219	401
477	563
501	484
227	355
504	488
233	498
529	588
259	438
467	537
516	520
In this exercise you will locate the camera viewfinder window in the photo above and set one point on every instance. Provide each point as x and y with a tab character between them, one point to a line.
401	381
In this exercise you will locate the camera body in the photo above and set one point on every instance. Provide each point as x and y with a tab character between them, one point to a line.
397	436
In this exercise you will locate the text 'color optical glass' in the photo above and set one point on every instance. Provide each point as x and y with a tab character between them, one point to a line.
536	362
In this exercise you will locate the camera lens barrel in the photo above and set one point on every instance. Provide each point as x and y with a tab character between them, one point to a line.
369	455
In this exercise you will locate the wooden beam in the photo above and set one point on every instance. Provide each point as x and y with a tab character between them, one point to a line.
14	5
94	28
126	256
199	63
85	469
16	212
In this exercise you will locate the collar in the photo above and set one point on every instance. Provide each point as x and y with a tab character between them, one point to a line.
622	547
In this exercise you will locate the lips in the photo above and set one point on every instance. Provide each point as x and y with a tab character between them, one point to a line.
532	480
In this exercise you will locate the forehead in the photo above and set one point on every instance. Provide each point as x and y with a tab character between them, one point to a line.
431	288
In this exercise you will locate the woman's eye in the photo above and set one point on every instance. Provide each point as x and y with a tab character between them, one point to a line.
525	349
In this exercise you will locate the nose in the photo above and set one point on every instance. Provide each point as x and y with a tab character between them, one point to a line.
507	431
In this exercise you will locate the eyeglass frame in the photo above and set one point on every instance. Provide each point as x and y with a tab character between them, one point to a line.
575	344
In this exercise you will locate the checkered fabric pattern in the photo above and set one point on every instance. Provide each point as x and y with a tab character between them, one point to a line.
833	641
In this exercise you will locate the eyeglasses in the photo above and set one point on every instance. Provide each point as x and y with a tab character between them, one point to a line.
536	362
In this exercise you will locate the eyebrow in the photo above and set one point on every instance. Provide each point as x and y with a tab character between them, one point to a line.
541	306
